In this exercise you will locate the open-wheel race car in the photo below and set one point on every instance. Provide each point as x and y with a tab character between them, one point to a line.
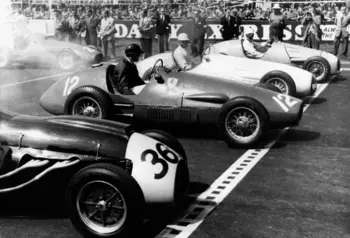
40	50
109	171
242	113
322	64
290	80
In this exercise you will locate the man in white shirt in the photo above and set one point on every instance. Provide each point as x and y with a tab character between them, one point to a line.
342	20
253	49
180	55
106	34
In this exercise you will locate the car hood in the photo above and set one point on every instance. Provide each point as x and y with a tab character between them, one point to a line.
300	52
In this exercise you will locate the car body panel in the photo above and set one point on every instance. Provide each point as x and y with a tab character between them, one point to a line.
42	50
183	97
236	69
279	52
90	140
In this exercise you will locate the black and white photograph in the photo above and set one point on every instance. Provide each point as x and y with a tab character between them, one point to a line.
174	119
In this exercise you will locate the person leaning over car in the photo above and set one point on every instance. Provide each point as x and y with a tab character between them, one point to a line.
126	77
253	49
180	55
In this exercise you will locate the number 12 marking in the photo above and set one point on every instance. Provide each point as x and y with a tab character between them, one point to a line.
71	83
286	102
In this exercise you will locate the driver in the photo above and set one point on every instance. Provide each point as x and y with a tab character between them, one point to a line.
126	79
253	49
180	55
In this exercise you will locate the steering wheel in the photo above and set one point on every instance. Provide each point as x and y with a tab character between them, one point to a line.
156	67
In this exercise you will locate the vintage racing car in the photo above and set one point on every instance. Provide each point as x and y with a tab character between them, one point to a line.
243	113
290	80
108	171
322	64
40	50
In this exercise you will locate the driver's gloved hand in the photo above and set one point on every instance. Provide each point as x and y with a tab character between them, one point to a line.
167	70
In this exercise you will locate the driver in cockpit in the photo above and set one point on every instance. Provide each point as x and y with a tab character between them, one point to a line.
180	55
126	79
253	49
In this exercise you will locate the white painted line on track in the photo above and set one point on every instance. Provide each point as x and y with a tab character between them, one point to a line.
345	62
345	69
207	201
33	80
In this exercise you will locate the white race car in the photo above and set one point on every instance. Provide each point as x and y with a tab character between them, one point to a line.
320	63
288	79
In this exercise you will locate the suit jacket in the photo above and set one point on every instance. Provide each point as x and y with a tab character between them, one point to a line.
126	77
230	26
342	24
146	28
163	26
198	27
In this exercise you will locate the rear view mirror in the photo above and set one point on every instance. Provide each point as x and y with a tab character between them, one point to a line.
159	78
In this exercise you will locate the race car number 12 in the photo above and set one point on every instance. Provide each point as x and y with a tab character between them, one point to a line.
70	84
285	101
165	156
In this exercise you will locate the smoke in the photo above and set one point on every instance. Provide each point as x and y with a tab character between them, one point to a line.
5	27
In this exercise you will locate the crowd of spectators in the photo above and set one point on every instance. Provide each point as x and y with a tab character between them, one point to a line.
183	9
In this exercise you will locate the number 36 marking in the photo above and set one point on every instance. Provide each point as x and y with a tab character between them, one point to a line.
71	83
286	102
165	156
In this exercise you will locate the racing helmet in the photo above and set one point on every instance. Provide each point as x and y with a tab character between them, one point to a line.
133	51
183	37
249	33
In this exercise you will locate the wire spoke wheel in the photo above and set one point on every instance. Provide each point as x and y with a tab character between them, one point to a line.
243	124
101	207
279	83
66	60
87	106
318	69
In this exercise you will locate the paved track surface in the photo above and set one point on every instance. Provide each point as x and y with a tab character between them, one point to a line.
299	189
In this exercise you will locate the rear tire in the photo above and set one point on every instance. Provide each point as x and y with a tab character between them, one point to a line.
319	67
88	101
242	122
112	195
280	80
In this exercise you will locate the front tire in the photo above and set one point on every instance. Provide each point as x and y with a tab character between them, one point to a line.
242	122
282	81
319	67
88	101
102	200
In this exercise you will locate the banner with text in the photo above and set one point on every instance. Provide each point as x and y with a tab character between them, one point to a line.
293	33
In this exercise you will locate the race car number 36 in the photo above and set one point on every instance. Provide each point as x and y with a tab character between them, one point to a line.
162	156
284	101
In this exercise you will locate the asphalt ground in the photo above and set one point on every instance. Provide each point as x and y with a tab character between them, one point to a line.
298	189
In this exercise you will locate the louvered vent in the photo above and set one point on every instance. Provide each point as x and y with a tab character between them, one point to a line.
160	114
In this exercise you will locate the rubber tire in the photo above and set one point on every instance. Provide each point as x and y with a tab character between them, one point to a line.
91	91
269	87
126	184
70	52
250	103
323	61
285	77
166	139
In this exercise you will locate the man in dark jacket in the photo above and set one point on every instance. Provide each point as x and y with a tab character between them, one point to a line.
163	30
199	30
126	79
227	26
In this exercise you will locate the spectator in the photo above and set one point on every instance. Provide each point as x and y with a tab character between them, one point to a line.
227	23
106	35
278	23
163	30
199	30
146	30
91	23
237	22
342	20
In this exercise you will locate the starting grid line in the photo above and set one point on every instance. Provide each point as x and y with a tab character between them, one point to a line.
33	80
207	201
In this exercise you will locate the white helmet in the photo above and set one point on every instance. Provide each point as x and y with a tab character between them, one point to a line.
249	30
183	37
